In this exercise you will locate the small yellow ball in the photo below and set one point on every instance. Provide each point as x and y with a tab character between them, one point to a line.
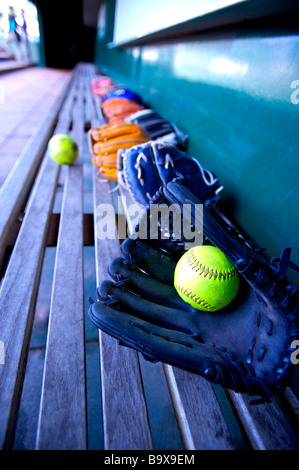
63	149
206	279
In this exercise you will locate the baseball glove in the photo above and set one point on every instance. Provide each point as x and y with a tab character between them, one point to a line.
104	143
116	109
158	128
244	347
120	92
143	169
100	86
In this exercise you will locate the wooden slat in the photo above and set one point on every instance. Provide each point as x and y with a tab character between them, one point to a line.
292	401
125	418
124	410
198	412
88	70
62	421
267	425
19	290
95	116
18	295
15	189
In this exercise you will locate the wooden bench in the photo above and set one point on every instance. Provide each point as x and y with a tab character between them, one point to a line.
208	417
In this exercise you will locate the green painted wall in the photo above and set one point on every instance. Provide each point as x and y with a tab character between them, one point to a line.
230	91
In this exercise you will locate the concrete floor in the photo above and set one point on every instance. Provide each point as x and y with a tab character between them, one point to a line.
27	95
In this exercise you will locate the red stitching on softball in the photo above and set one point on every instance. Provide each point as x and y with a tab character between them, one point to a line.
195	264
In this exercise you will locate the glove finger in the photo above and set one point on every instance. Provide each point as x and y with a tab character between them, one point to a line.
147	286
173	347
214	227
201	182
178	349
141	173
157	314
158	263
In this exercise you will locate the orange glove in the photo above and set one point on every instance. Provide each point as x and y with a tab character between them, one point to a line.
117	109
104	143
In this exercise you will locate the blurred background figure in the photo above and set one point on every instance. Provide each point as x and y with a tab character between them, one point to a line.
19	31
14	38
24	36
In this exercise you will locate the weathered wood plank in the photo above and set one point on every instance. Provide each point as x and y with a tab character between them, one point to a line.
125	419
62	421
94	113
18	295
292	400
269	426
124	410
198	412
19	290
125	422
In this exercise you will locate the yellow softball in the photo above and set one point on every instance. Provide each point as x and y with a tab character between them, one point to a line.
63	149
206	279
